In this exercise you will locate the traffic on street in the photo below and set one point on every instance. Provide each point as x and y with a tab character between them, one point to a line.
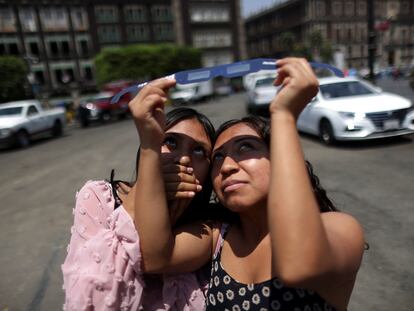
372	180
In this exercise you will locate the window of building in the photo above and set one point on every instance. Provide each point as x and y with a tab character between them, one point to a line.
79	19
320	8
54	19
64	76
163	32
136	33
349	34
14	49
106	13
2	49
7	20
362	8
53	48
39	77
34	48
217	38
28	19
65	48
349	8
209	14
214	58
161	13
405	7
135	13
83	47
337	8
88	74
109	34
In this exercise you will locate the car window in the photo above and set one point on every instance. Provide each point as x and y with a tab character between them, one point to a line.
344	89
12	111
265	82
32	111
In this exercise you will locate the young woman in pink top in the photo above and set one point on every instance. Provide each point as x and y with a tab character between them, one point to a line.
104	269
285	251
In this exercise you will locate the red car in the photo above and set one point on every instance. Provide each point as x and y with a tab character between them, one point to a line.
99	107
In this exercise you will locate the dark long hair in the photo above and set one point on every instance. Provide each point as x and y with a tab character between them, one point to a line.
198	207
262	127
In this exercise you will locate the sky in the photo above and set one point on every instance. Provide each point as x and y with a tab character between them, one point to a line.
251	6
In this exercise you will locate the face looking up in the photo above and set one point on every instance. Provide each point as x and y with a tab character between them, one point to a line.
188	139
240	168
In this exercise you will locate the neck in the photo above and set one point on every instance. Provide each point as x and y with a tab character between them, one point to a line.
253	223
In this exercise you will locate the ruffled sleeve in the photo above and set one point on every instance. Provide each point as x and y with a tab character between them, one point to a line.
102	267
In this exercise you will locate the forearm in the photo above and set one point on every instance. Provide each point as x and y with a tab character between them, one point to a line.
299	241
151	215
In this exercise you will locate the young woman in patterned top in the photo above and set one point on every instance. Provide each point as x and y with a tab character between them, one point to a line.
283	252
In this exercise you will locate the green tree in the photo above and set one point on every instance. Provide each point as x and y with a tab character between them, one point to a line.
13	78
286	42
144	62
321	48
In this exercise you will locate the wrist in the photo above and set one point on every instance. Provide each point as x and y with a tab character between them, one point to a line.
282	115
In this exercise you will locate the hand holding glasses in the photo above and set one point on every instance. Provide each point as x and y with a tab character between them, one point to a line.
232	70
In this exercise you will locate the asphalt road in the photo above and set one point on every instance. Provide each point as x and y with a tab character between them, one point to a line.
372	181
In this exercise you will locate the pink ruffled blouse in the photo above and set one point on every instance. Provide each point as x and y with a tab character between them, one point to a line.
102	270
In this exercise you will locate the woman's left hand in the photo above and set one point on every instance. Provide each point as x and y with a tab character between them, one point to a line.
298	86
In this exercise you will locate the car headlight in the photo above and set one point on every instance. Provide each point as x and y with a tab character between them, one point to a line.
90	106
5	132
357	116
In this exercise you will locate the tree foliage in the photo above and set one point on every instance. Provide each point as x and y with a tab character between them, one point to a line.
13	77
144	62
314	47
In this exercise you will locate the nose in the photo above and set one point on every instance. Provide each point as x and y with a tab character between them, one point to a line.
183	160
229	166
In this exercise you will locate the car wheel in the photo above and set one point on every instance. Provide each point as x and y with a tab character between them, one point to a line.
22	139
57	129
326	133
106	116
84	122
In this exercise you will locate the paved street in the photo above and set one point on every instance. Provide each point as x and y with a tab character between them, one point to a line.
372	181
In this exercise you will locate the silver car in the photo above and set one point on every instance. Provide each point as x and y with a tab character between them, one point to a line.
260	94
353	109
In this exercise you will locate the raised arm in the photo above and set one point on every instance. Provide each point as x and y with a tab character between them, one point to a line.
310	249
162	249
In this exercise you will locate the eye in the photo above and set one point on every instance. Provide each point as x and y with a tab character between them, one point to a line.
217	157
170	142
200	151
245	147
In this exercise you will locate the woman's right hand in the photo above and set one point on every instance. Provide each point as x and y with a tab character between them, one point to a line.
180	184
147	109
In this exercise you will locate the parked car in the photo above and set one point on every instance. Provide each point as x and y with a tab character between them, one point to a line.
183	94
99	107
260	94
21	121
352	109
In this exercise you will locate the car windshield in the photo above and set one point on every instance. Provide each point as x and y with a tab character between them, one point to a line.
344	89
12	111
265	82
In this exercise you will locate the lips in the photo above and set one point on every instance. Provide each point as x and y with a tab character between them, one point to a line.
232	185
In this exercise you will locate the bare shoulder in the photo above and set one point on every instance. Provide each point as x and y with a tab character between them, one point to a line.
346	237
343	223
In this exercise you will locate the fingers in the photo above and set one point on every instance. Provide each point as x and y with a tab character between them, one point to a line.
176	168
163	83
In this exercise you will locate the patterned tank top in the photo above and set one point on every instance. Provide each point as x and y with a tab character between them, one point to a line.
225	293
